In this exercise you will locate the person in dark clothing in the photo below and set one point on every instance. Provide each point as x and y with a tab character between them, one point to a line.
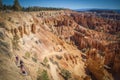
22	68
21	62
17	60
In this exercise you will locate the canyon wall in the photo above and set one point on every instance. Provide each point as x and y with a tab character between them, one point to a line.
65	44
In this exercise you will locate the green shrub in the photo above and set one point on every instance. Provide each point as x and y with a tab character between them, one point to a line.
15	42
45	63
4	47
34	59
27	55
45	60
2	25
43	76
66	74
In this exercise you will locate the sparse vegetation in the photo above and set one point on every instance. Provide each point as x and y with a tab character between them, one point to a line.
45	60
34	58
2	24
45	63
1	35
43	76
65	74
4	46
15	42
27	55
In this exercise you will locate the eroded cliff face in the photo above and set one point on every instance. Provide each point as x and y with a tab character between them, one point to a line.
58	45
68	29
98	23
30	38
88	31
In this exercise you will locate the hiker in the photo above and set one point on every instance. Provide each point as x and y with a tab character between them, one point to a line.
21	62
17	60
22	68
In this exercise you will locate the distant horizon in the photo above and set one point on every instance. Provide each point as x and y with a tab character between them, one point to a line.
70	4
96	8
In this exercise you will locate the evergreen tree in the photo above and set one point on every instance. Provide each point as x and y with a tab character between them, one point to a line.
1	5
16	6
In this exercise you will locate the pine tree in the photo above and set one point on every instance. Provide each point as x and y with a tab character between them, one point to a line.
16	6
1	5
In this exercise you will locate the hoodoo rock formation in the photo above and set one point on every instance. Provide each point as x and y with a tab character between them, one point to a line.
59	45
91	21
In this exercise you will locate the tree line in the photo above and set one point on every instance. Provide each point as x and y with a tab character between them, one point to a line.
17	7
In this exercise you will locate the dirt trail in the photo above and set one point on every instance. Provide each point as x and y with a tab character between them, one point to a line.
53	71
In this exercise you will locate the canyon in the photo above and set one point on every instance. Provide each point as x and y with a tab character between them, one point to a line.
59	45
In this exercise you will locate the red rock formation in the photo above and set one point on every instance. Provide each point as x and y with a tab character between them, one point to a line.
112	56
91	21
97	71
69	29
21	31
25	29
15	31
33	28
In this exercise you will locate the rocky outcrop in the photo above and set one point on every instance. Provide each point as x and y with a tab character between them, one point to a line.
63	26
84	38
91	21
33	28
97	71
112	56
95	65
21	31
